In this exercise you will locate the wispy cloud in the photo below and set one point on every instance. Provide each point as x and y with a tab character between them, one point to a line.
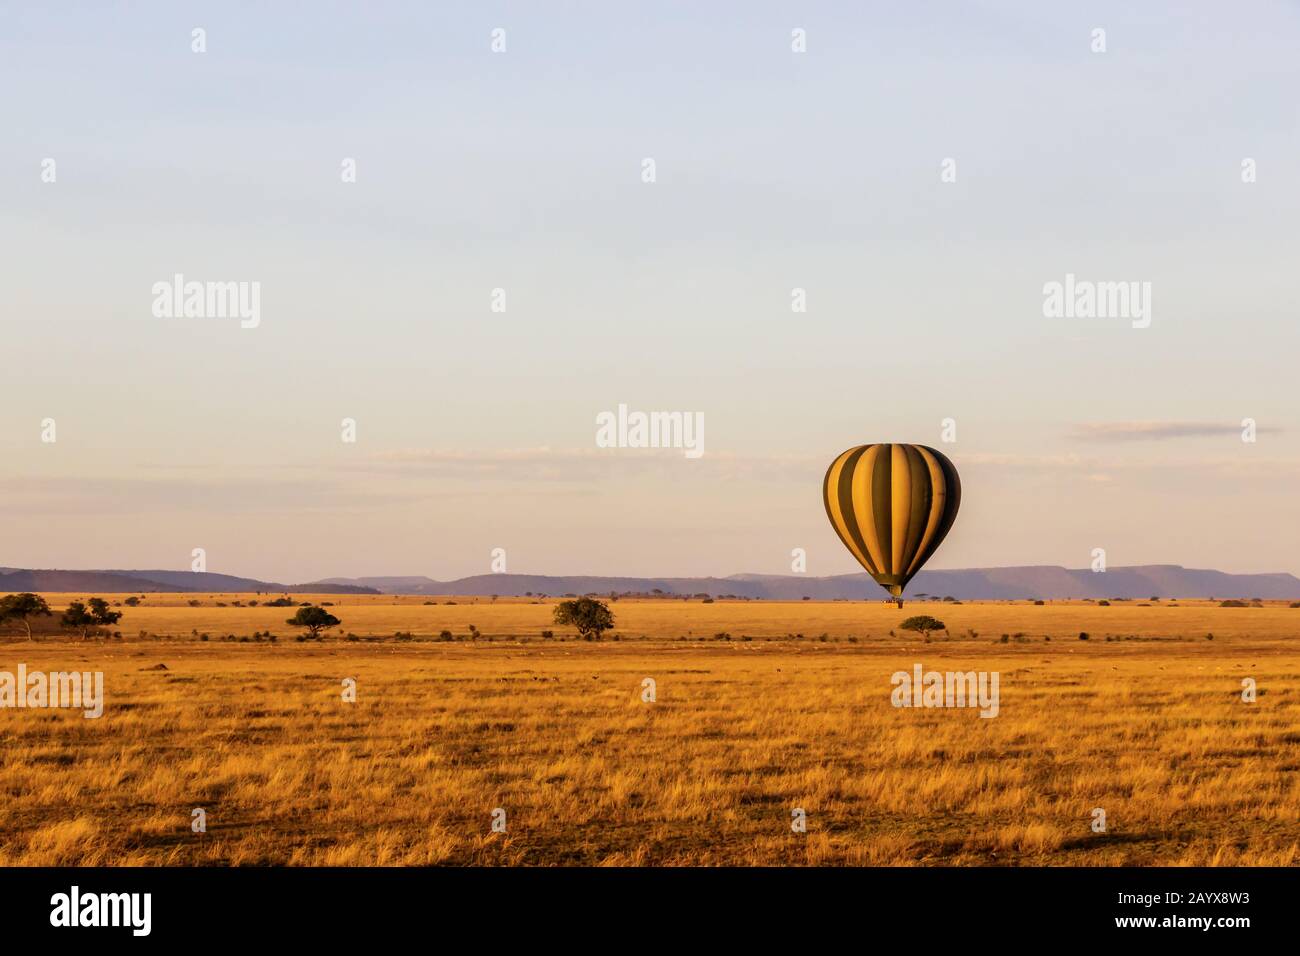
1156	431
1104	468
64	495
584	464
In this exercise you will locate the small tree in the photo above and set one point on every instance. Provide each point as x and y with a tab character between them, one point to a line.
76	617
315	619
101	615
923	623
23	607
588	615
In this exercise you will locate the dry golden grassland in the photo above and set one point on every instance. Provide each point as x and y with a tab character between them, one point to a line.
1150	726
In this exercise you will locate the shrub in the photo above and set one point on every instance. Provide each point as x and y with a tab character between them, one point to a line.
1083	635
1103	604
1232	602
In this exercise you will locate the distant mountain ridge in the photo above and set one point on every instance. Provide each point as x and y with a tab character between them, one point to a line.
1038	581
156	582
1045	582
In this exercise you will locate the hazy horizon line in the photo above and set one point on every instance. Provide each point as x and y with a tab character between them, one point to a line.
9	568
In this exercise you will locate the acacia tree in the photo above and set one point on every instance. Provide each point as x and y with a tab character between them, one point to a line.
23	607
588	615
102	614
76	617
99	614
923	623
315	619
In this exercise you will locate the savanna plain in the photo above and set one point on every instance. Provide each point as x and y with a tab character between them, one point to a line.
471	709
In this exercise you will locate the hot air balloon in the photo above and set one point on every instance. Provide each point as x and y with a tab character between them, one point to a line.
891	505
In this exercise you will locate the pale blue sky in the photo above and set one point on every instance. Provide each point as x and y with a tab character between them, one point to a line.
522	170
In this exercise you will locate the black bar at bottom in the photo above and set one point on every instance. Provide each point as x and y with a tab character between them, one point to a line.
550	905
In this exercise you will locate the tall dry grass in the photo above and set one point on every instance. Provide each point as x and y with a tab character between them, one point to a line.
1154	732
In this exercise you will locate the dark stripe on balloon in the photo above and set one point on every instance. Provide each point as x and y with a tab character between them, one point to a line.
882	506
853	520
952	500
921	502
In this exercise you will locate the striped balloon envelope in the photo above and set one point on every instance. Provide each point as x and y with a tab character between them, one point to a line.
891	505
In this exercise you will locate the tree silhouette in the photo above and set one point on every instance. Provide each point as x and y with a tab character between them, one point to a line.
315	619
23	607
588	615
